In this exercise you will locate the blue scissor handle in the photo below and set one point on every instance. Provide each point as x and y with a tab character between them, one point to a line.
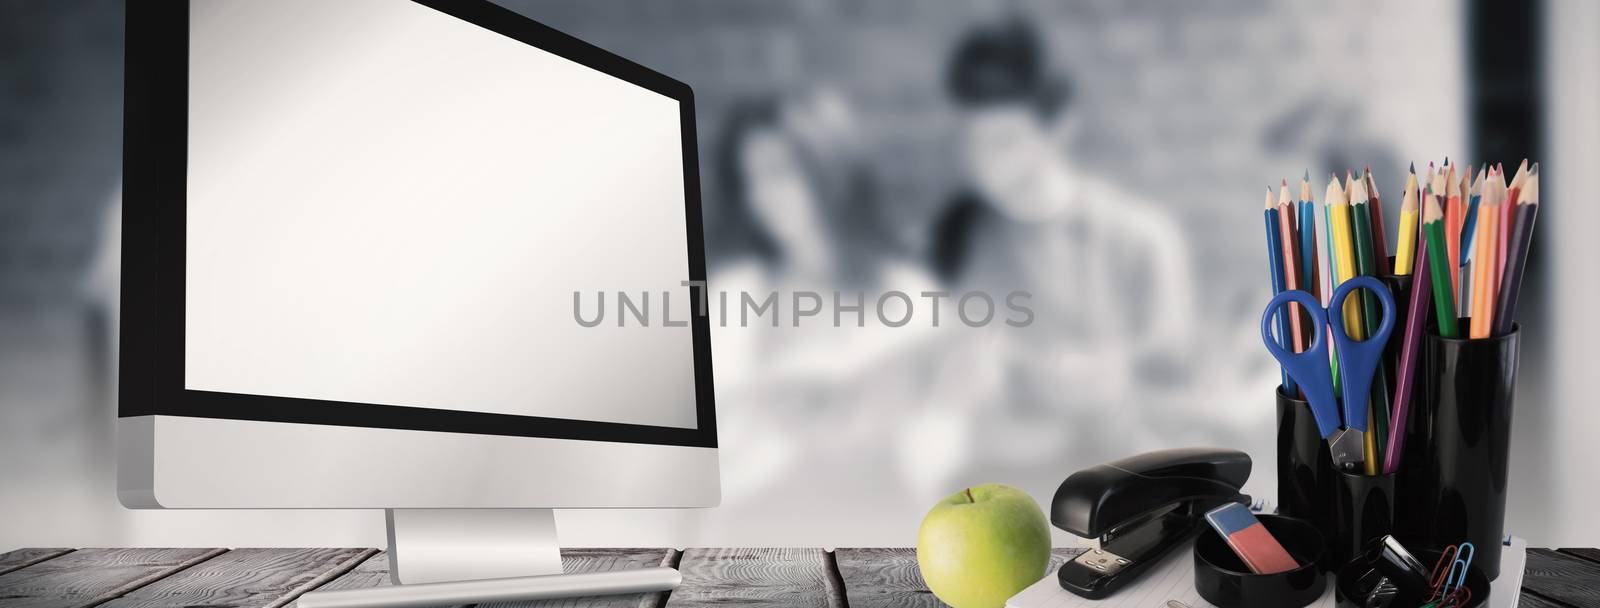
1309	368
1359	359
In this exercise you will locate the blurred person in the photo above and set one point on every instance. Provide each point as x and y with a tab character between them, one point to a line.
795	205
1108	271
798	213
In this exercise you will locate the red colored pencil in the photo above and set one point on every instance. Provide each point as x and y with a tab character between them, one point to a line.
1380	246
1289	244
1452	231
1513	196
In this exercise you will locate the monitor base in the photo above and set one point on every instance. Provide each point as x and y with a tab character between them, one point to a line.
467	556
439	545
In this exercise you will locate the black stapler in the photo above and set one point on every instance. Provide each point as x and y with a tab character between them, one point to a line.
1140	508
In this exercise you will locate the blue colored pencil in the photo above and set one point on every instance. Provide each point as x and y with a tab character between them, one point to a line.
1275	270
1308	231
1470	224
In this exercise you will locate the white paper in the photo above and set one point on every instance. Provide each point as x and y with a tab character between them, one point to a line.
1173	581
1507	590
1170	581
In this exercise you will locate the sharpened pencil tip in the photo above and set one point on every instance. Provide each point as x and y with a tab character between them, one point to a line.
1307	176
1413	167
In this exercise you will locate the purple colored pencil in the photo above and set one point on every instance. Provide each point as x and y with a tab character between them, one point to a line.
1416	317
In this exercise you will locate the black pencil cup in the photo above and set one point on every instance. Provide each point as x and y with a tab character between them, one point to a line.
1363	509
1413	471
1467	397
1400	287
1305	468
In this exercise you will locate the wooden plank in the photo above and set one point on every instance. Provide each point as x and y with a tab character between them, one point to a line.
1564	578
263	578
576	561
1592	555
1529	600
89	577
374	572
886	578
882	578
734	577
22	558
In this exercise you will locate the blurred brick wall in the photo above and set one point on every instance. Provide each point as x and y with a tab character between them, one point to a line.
60	141
1195	106
1192	106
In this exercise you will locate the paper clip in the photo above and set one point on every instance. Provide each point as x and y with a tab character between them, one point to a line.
1441	569
1457	599
1458	578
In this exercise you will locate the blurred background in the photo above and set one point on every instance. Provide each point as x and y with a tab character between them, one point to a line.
1107	156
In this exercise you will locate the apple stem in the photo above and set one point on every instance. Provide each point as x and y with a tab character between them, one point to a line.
969	496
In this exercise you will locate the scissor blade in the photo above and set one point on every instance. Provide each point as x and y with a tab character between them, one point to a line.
1348	449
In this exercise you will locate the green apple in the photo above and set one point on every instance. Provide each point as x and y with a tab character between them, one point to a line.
982	545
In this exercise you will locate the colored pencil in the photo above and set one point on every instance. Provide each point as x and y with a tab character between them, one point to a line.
1483	283
1470	201
1406	372
1287	228
1517	254
1469	227
1513	197
1372	315
1406	241
1380	242
1325	249
1345	253
1361	242
1275	276
1452	228
1310	278
1334	191
1439	262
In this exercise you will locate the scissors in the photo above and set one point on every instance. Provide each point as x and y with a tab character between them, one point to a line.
1358	360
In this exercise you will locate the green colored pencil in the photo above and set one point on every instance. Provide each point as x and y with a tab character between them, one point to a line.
1372	311
1444	301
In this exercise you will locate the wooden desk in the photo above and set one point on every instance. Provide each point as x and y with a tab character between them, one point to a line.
854	578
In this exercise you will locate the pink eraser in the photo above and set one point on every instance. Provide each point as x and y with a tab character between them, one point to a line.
1250	540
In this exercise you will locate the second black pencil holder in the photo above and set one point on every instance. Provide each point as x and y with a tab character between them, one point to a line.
1467	397
1363	509
1400	287
1413	470
1305	467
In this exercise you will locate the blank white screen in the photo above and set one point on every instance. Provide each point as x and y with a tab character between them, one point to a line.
388	205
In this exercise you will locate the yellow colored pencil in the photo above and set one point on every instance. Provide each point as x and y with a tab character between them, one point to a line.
1406	241
1345	253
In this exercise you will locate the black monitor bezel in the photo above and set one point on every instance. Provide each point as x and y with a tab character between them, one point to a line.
151	379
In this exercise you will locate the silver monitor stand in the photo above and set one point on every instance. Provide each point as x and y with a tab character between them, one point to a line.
464	556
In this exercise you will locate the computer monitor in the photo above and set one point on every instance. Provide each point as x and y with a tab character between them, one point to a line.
364	245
